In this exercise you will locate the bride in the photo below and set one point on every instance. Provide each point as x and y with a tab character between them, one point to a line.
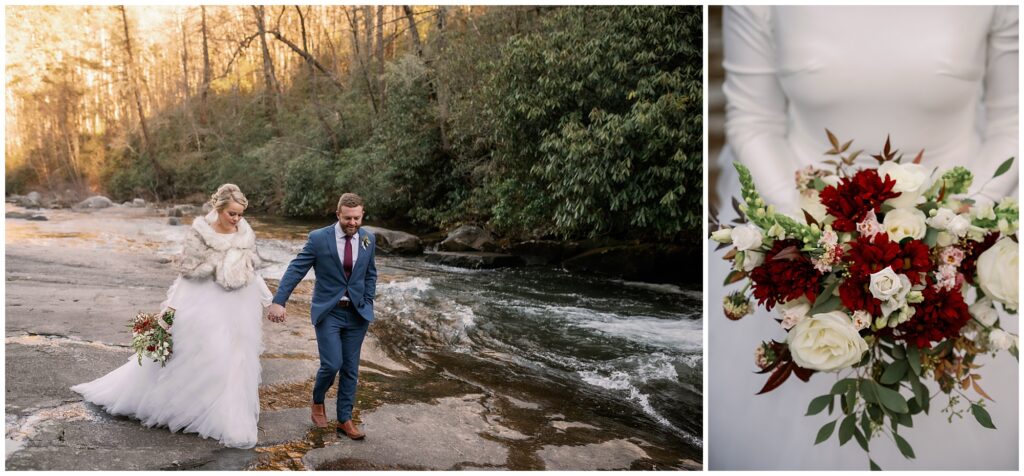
943	79
210	384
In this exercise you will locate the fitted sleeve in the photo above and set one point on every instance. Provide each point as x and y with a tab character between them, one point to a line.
1000	97
755	114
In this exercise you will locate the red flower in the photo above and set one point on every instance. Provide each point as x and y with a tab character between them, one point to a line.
972	250
150	348
855	197
785	275
939	317
854	294
868	256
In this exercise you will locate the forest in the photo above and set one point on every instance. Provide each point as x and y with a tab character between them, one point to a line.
568	122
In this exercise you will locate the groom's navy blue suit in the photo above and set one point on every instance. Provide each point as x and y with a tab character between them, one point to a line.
339	329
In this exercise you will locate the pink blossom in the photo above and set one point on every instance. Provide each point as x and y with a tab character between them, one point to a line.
869	226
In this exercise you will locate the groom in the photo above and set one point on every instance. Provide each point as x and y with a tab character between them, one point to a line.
342	257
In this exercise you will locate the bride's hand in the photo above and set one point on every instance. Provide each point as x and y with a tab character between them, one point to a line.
276	313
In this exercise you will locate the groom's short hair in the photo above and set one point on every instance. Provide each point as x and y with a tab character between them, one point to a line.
350	200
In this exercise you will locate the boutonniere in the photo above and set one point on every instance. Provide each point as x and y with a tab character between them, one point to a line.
366	242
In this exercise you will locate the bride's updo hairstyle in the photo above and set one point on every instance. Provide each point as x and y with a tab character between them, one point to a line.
225	194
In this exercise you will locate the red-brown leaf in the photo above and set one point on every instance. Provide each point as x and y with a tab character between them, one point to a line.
788	253
802	373
777	378
920	155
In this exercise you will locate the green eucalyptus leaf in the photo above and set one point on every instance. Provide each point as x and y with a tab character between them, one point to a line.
861	439
874	467
819	404
904	447
1003	167
914	359
982	416
825	432
846	429
894	372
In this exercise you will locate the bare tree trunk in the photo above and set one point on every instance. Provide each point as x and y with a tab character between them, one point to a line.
414	32
269	79
314	97
368	21
442	91
184	56
379	53
130	72
352	20
207	73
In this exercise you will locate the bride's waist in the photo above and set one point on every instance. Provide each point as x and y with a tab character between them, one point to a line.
939	150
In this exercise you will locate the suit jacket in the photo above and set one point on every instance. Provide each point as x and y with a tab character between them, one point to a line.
321	253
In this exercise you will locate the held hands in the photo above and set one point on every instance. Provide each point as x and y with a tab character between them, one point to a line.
276	313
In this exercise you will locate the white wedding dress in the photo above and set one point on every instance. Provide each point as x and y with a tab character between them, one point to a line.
210	385
943	79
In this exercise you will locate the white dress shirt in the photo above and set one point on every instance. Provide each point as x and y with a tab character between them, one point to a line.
339	237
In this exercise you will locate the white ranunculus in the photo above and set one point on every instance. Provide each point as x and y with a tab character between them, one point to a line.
752	259
826	342
983	311
912	180
997	272
747	237
998	339
903	222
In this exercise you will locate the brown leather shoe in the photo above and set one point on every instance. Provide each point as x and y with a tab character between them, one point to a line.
318	415
349	429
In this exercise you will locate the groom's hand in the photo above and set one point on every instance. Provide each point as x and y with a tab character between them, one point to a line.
276	313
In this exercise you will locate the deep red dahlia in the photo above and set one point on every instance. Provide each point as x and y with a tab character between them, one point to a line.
785	279
868	256
855	295
915	261
855	197
972	250
939	316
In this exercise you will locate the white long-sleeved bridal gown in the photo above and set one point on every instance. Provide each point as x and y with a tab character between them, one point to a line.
943	79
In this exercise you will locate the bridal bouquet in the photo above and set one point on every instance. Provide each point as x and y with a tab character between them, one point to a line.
151	336
889	279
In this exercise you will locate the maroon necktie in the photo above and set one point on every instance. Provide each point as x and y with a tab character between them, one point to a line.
348	257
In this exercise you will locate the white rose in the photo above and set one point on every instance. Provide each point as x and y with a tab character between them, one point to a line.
794	312
983	311
885	284
997	272
722	236
826	342
985	211
746	237
912	180
752	259
903	222
861	319
998	339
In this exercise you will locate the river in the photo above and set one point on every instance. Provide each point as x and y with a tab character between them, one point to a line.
622	356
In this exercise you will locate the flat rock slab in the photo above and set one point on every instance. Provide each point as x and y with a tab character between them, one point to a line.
472	259
446	435
293	424
285	371
613	454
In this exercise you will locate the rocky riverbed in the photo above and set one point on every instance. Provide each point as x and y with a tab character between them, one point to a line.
72	285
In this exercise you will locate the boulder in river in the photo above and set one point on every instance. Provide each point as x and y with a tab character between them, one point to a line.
25	216
544	252
472	259
653	263
468	238
174	221
95	201
396	242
